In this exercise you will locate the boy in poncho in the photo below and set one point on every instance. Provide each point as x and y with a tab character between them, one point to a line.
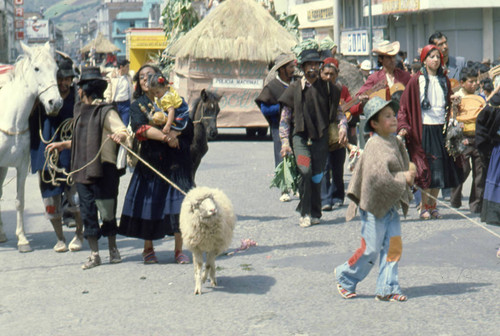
380	185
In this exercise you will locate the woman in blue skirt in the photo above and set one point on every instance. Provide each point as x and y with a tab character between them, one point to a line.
488	144
152	206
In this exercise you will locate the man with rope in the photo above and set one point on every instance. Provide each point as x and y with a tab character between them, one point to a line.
45	130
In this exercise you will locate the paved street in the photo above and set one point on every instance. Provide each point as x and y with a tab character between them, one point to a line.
283	286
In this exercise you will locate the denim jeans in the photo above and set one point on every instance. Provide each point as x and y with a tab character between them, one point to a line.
378	236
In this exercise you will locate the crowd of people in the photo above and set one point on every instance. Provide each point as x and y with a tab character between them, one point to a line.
407	112
98	114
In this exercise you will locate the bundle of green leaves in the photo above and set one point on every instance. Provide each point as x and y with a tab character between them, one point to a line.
286	176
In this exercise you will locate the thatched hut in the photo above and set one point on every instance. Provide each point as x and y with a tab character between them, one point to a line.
101	44
228	52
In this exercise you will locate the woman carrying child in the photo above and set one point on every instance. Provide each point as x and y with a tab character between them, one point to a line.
422	117
151	207
380	186
174	112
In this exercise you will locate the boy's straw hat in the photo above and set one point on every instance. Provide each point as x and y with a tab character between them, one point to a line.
374	106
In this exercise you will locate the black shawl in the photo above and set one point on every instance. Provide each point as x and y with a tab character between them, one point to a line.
313	108
487	126
270	93
86	142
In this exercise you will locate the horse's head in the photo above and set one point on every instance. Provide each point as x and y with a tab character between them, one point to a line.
39	71
209	107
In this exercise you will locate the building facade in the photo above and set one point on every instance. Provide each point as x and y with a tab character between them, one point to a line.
8	52
114	17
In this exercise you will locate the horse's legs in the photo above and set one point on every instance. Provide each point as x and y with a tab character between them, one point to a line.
23	244
3	173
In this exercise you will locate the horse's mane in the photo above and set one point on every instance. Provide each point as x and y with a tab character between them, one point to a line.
197	101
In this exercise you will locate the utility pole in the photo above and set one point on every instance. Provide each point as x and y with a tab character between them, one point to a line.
370	34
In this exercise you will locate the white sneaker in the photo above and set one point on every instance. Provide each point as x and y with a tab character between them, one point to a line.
305	221
315	221
60	246
285	198
75	244
92	261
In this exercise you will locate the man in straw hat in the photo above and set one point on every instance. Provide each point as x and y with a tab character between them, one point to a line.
279	78
43	130
96	180
386	52
308	107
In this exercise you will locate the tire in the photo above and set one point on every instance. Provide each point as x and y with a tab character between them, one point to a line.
262	131
251	131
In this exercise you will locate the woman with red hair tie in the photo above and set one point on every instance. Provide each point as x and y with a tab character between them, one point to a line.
423	114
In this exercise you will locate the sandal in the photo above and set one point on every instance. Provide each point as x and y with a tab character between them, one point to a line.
435	212
181	258
149	257
345	293
425	214
392	298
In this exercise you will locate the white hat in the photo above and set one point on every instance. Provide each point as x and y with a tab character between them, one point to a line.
366	65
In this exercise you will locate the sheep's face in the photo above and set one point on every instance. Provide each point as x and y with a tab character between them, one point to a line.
205	207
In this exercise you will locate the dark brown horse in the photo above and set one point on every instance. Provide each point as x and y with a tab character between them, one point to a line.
203	113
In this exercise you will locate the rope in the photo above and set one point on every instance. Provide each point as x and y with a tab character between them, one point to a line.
153	169
66	129
52	157
458	212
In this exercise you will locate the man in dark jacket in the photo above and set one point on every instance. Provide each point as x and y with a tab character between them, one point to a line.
277	81
309	106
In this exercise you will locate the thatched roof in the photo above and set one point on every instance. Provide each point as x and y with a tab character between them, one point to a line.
235	30
101	45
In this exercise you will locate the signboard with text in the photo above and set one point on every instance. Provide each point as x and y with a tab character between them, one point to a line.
356	43
37	29
18	2
400	6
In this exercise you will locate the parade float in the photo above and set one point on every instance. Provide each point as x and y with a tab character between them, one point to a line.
228	53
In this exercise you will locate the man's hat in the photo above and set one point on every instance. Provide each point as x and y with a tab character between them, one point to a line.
332	61
366	65
65	68
280	61
374	106
309	55
386	48
89	74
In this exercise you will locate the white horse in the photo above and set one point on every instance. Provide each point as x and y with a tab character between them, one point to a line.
34	77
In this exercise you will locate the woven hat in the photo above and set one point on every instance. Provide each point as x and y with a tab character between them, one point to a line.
374	106
89	74
65	66
366	65
387	48
280	61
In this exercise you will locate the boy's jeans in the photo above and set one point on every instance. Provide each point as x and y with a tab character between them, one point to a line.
378	236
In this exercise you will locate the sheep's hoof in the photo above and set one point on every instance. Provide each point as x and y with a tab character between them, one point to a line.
197	291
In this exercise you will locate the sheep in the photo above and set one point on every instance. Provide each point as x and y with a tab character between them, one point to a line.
207	222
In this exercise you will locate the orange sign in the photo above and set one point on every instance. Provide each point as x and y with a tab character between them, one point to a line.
400	6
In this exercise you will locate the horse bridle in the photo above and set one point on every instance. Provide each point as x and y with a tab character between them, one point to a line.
202	114
27	129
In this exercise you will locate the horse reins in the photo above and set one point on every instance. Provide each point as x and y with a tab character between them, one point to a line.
201	106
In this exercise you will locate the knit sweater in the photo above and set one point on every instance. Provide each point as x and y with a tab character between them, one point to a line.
378	182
